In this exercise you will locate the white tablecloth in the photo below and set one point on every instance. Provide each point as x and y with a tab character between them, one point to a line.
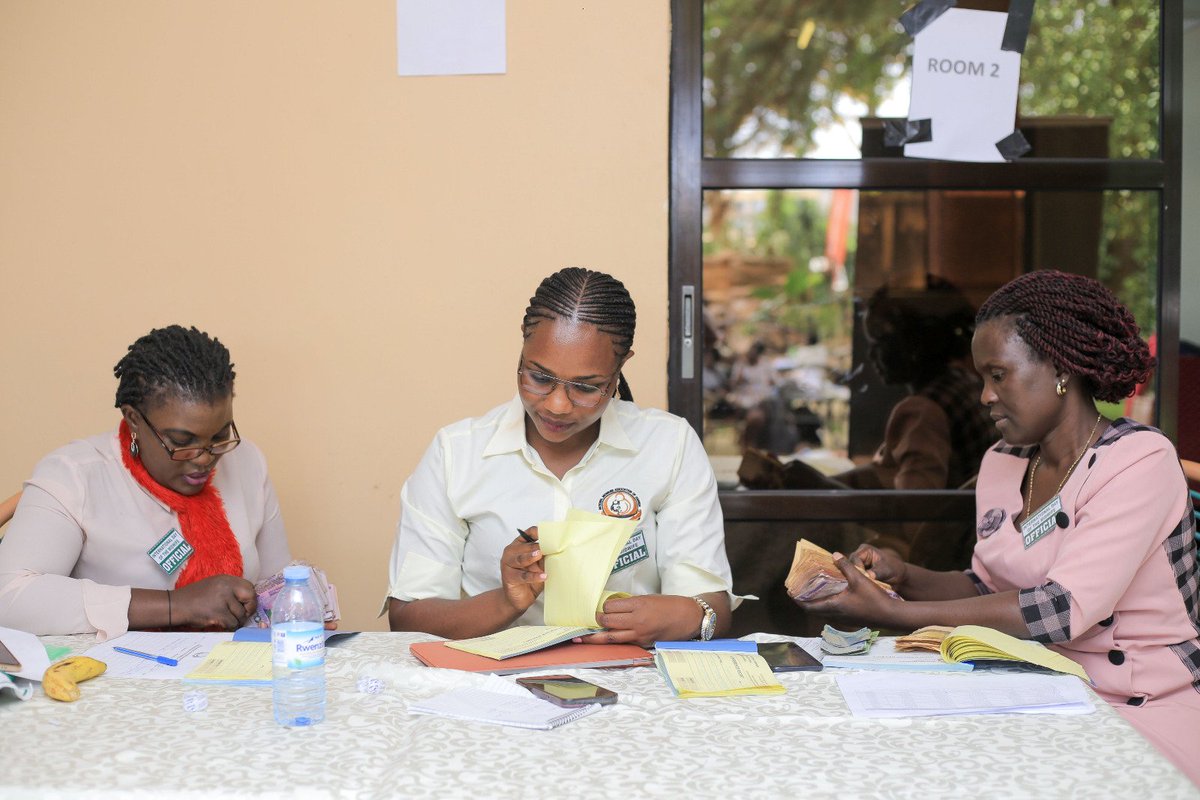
132	738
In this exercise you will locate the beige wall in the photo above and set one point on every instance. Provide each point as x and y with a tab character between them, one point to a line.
364	244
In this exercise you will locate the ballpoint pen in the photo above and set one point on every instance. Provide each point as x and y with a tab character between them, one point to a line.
526	536
170	662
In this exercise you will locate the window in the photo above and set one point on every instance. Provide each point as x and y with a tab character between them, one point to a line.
788	213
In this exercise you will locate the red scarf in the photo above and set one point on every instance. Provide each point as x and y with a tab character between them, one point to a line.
201	518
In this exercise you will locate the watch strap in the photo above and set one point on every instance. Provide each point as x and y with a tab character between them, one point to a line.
708	625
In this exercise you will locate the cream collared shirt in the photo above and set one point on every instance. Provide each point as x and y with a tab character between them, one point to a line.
480	480
81	534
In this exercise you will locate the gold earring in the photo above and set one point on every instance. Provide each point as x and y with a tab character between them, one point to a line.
1060	388
133	445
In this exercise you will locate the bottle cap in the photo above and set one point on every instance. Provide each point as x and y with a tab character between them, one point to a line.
298	572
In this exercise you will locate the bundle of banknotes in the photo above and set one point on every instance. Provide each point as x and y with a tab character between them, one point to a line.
814	574
928	639
268	588
847	643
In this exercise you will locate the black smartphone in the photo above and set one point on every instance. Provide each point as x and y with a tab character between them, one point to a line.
8	662
564	690
787	657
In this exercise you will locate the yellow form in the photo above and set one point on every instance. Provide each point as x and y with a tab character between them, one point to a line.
520	640
975	642
579	553
235	662
708	673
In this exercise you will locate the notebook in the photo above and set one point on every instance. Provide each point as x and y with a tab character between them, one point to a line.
563	656
493	708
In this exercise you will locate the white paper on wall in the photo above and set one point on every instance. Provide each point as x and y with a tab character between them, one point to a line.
450	37
965	85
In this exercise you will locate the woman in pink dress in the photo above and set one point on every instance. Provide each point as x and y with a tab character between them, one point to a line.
1086	539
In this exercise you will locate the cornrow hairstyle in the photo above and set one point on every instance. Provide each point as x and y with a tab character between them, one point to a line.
583	295
1079	326
176	360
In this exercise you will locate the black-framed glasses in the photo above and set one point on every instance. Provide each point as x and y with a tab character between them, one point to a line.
190	452
584	395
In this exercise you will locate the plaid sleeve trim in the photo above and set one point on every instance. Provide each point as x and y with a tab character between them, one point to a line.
1180	549
1189	654
1047	612
980	586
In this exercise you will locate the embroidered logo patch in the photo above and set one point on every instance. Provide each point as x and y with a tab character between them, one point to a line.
991	522
621	503
635	550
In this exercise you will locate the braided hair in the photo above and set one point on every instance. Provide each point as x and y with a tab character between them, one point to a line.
583	295
183	361
1077	325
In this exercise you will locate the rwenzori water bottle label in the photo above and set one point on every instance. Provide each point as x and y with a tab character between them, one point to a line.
298	648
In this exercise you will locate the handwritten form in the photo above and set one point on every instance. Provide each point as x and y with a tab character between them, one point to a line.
696	673
189	649
235	662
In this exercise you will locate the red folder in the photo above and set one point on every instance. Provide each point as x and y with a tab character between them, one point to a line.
567	655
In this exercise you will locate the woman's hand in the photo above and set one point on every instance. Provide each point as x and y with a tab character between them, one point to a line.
861	600
647	619
881	563
223	602
522	572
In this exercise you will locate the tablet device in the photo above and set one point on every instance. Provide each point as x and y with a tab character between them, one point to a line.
787	657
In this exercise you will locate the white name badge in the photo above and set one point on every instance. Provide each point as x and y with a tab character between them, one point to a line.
1041	522
171	551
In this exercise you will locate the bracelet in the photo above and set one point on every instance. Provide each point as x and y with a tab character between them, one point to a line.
169	625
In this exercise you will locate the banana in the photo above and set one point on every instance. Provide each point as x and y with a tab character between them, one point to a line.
61	678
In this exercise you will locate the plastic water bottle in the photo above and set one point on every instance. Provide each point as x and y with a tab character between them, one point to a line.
298	652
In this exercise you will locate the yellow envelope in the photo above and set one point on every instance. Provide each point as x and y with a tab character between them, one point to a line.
579	553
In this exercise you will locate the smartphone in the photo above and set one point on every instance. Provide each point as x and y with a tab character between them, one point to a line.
564	690
8	662
787	657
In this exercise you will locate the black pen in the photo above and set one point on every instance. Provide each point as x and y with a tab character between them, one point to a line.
526	536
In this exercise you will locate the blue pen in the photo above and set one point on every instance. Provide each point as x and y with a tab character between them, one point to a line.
170	662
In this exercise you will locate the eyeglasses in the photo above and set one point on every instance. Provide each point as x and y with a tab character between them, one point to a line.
188	453
584	395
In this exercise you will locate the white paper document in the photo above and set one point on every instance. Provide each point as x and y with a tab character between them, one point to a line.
965	85
27	650
518	710
886	694
450	37
189	649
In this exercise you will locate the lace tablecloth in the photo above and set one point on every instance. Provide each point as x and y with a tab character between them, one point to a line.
133	738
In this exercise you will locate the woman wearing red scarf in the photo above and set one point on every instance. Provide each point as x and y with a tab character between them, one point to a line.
163	523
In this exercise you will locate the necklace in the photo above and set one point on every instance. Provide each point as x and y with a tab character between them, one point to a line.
1038	460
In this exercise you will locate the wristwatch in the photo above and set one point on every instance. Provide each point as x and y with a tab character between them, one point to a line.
708	625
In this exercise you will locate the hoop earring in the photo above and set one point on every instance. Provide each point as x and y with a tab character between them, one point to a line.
1060	388
133	445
